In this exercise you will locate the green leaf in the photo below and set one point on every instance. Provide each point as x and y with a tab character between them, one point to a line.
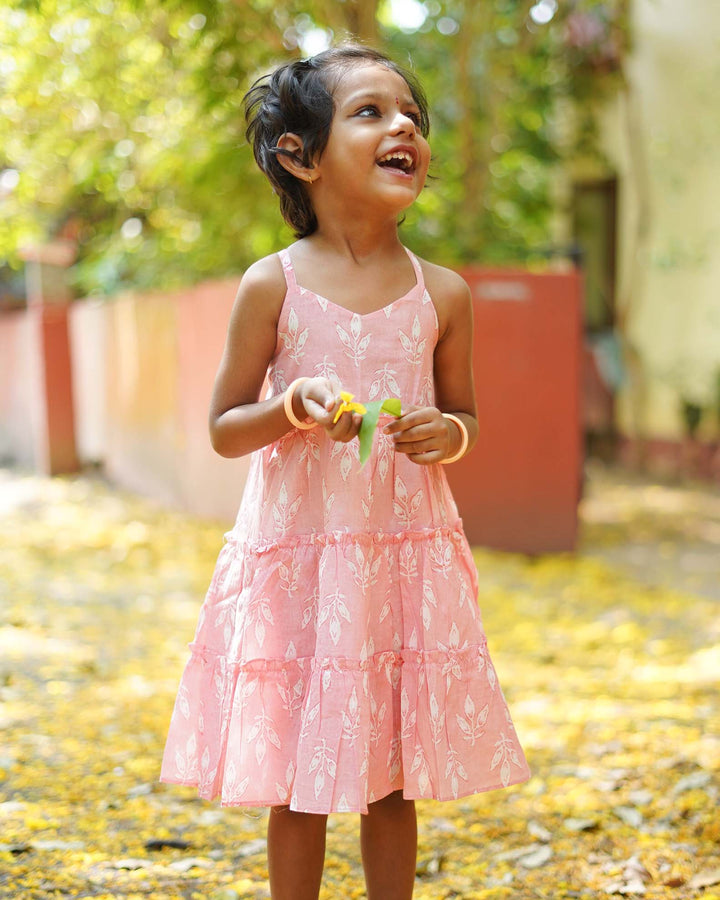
390	405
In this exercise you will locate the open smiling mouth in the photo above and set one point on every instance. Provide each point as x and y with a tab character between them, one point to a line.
401	160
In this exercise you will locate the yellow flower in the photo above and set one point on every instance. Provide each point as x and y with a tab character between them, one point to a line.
348	406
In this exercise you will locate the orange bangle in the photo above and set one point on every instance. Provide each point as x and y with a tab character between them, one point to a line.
288	407
463	443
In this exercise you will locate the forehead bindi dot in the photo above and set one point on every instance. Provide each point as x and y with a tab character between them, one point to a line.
397	100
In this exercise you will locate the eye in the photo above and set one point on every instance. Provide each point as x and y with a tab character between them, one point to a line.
414	117
367	112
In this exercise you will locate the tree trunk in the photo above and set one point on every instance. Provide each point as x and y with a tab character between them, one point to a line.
357	18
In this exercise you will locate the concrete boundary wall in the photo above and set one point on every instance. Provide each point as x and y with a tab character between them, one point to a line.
143	370
20	420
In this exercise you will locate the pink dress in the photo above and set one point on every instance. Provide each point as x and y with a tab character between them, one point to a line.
340	654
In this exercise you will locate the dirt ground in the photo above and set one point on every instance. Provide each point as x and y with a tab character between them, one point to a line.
609	659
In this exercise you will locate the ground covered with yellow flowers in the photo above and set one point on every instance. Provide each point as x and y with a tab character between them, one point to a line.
609	658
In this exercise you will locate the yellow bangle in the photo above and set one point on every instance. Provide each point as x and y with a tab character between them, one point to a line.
463	443
288	407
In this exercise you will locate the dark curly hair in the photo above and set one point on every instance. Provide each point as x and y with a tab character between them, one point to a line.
298	97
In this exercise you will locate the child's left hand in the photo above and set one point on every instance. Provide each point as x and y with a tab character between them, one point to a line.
423	434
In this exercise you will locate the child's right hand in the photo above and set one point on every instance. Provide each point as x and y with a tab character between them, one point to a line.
320	399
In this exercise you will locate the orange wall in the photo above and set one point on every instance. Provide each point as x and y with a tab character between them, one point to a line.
153	381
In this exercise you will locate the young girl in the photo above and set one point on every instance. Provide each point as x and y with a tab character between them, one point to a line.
340	662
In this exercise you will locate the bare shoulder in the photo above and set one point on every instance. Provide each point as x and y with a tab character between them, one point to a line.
449	293
263	284
444	282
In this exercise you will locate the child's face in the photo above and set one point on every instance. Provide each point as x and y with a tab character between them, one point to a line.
375	151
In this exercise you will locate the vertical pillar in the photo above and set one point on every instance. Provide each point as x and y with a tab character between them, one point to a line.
48	308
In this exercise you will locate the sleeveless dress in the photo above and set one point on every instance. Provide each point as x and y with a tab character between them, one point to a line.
340	654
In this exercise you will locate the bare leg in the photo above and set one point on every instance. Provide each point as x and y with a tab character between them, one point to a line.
388	841
296	853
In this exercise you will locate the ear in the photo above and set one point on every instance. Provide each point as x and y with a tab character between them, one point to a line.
289	155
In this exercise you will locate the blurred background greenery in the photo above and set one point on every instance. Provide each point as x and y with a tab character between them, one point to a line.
564	132
121	123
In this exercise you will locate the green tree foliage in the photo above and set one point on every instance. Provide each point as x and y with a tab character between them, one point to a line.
121	123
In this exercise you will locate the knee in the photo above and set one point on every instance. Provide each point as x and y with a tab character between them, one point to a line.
394	799
285	811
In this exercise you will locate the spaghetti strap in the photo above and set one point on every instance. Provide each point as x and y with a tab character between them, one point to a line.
288	269
418	270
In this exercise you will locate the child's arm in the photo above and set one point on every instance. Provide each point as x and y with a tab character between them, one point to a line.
422	432
238	422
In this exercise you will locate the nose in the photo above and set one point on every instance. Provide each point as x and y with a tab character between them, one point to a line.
402	123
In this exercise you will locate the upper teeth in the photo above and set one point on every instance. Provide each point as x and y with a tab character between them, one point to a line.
402	155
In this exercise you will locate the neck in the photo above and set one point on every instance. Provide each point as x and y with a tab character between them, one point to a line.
359	240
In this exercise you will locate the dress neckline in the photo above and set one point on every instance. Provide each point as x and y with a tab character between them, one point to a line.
292	283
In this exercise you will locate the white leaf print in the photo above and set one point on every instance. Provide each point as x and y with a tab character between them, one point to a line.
404	506
491	676
384	383
405	341
400	488
293	340
505	773
335	629
327	369
454	636
183	704
412	345
355	346
309	719
232	791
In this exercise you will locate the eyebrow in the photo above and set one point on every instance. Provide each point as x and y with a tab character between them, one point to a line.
407	100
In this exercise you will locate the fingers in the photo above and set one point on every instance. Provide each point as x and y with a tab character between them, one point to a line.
346	427
321	398
421	434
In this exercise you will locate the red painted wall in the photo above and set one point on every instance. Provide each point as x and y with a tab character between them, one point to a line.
519	487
